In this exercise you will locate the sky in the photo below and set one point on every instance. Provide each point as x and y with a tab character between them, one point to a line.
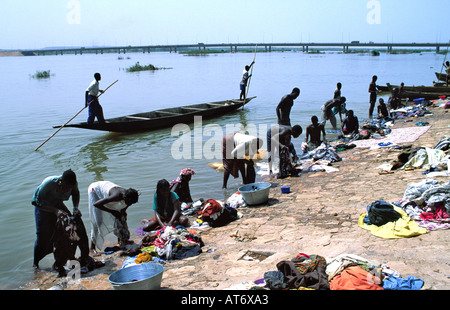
35	24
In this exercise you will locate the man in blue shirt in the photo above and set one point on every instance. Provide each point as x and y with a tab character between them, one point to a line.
48	200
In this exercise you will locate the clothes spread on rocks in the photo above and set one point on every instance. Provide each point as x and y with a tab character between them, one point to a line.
343	272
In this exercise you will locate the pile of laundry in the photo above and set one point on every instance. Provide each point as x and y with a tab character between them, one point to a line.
428	203
168	243
319	159
433	160
343	272
412	110
216	213
425	206
388	221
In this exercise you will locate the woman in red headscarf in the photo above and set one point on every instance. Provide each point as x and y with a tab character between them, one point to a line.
181	185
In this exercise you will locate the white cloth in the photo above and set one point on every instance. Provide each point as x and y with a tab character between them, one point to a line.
244	145
102	222
94	88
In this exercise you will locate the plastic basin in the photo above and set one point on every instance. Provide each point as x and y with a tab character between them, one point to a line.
285	189
255	193
145	276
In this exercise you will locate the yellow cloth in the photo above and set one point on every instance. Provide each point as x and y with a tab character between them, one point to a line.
143	258
402	228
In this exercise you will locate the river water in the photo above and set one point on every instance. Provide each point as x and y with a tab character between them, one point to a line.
30	107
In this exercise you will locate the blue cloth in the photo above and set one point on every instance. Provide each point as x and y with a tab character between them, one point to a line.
95	110
409	283
45	227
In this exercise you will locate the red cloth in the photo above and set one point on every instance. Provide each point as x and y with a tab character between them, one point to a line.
355	278
210	207
439	214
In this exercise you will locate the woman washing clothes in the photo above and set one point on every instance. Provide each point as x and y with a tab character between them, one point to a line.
167	207
108	204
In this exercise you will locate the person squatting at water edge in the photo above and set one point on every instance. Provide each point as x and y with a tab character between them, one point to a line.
108	204
235	147
180	185
313	135
57	230
95	110
167	207
279	142
350	125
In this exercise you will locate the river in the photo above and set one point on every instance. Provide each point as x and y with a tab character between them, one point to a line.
32	106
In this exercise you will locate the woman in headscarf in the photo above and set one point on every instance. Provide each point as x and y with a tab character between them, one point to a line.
180	185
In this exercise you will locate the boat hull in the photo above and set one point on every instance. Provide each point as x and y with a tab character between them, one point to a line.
164	118
441	76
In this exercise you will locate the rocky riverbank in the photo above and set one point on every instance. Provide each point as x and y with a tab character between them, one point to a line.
319	216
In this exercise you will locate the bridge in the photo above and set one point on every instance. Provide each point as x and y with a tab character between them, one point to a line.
233	47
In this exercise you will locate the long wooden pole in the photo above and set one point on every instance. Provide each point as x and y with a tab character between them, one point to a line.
251	72
73	117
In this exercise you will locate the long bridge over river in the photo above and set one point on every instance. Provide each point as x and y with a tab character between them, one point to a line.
234	47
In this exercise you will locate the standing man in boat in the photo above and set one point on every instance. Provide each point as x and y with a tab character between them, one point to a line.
283	109
95	109
244	80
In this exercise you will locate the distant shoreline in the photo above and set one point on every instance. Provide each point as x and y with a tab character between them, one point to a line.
16	53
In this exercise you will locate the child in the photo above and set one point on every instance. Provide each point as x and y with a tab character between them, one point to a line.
382	109
350	125
313	132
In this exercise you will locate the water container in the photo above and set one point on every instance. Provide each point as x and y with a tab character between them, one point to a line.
255	193
145	276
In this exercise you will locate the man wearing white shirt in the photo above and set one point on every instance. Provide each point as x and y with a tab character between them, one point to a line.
95	109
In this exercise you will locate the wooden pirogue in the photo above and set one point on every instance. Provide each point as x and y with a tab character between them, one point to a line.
164	118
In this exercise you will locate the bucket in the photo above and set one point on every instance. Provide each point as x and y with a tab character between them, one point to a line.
146	276
285	189
255	193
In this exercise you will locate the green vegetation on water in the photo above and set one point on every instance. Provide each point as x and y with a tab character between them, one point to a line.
138	67
42	74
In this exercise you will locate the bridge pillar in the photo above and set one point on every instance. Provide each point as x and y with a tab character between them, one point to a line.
235	48
437	49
